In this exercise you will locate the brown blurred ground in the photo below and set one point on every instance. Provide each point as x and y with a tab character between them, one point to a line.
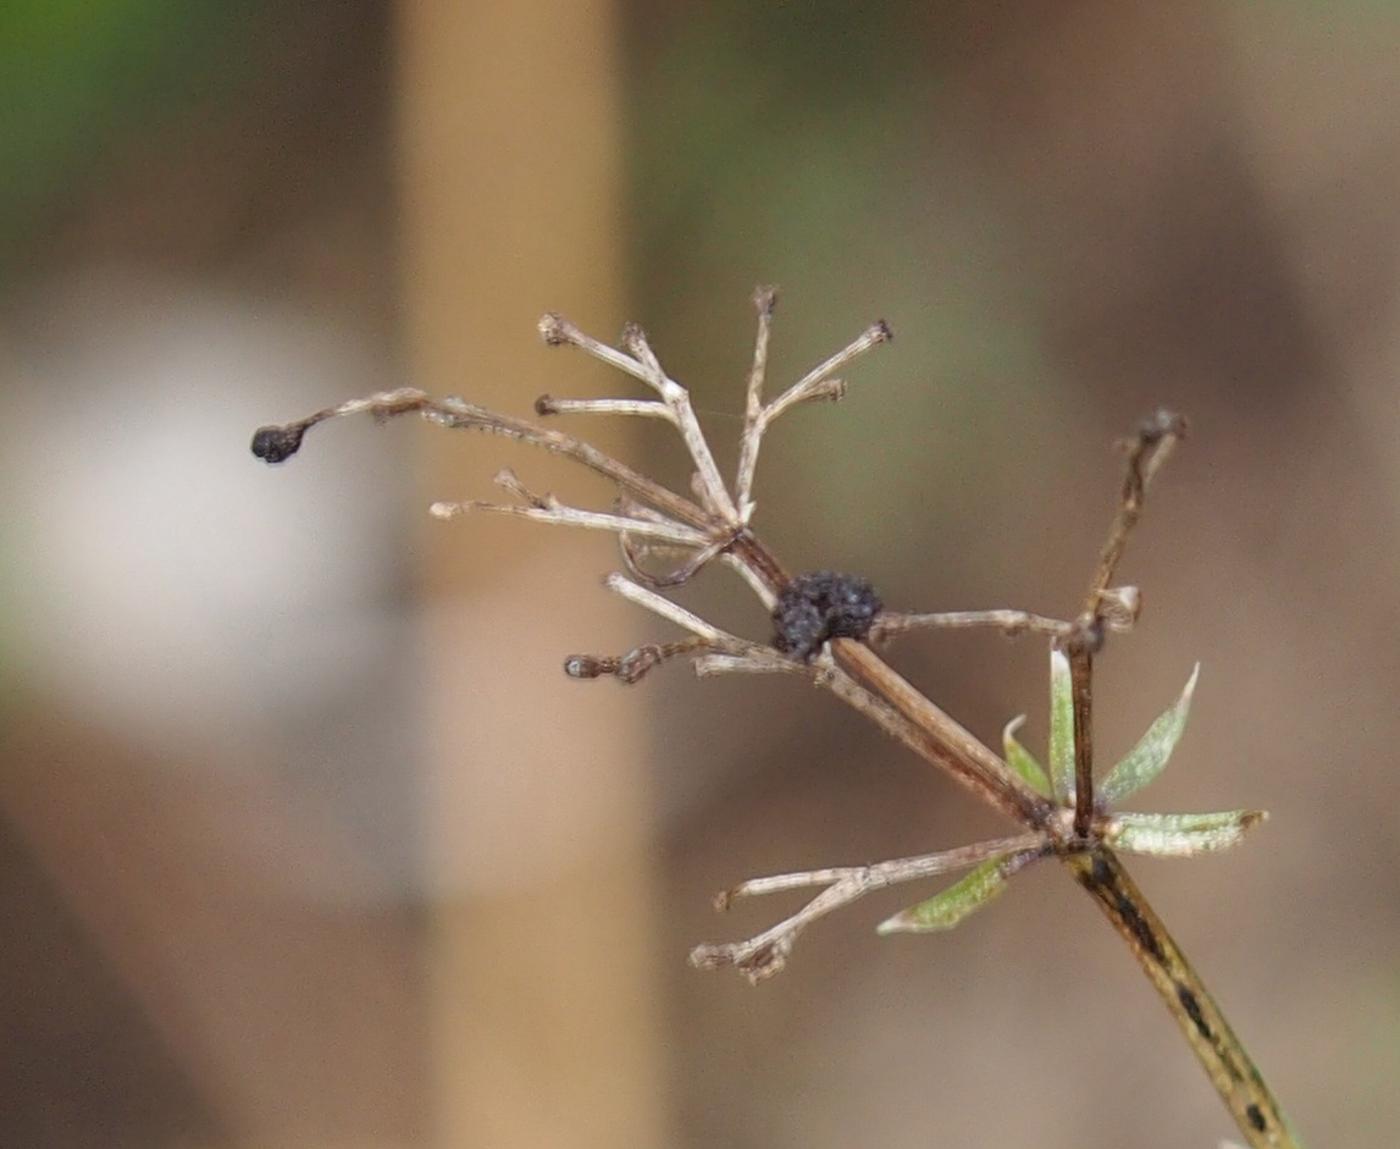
227	838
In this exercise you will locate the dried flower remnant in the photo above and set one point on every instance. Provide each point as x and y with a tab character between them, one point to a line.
823	627
277	444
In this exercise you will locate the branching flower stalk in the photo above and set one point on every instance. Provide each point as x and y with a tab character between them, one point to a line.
827	627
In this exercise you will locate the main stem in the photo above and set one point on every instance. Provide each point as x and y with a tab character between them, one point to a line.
1232	1071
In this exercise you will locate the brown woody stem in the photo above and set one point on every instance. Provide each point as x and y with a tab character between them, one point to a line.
1230	1068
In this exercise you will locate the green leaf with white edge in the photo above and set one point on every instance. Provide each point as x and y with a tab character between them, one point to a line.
1022	760
1148	758
1180	835
946	909
1061	726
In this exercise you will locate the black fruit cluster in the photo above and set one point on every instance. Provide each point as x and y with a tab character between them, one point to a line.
821	605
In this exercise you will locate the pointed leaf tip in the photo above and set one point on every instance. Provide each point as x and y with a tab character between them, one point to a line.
1182	835
947	908
1021	760
1150	756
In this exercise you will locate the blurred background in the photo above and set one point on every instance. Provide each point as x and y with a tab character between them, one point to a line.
305	840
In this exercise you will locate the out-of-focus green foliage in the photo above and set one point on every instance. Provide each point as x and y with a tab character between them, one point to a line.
75	73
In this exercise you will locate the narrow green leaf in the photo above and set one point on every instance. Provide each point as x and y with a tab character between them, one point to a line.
1022	760
1147	759
1061	726
946	909
1181	835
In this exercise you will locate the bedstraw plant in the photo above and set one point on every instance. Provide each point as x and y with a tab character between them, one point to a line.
828	628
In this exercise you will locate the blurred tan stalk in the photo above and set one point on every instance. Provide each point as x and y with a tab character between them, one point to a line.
543	1008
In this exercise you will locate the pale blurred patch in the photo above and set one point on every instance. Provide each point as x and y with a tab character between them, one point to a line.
168	583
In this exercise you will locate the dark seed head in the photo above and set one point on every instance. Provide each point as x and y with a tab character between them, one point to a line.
822	605
277	444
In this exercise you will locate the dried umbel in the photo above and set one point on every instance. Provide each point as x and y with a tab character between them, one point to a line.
826	629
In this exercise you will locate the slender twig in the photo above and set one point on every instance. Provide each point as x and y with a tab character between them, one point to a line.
818	383
891	624
560	515
766	661
508	480
765	299
645	408
1119	612
765	954
677	577
659	604
630	667
278	443
677	398
1156	439
887	873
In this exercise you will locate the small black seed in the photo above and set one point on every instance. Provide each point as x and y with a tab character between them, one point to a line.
277	444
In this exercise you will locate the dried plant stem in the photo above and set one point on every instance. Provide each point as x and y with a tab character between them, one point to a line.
1081	671
716	529
885	873
1011	622
764	954
818	383
1156	439
1230	1068
458	413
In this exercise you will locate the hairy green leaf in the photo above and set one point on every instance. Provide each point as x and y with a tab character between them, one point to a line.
1148	758
1181	835
1022	760
946	909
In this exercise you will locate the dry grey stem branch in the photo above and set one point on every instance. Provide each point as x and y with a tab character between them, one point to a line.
765	954
1012	623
